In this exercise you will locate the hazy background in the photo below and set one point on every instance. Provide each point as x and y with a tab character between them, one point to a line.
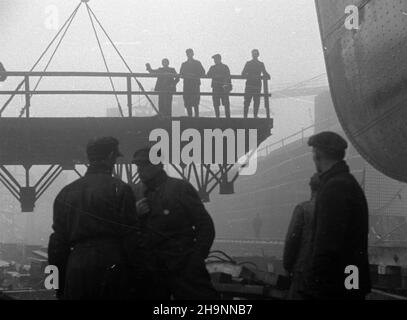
285	31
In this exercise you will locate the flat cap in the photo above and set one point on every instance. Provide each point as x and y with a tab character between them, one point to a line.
100	148
328	142
142	154
217	56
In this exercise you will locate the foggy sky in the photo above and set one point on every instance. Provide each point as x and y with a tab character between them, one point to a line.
285	32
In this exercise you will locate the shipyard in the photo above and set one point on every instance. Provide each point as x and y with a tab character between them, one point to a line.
208	151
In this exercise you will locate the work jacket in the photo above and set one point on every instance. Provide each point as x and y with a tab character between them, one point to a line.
91	217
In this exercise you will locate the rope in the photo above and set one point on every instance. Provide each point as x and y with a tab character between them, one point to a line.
40	58
105	62
123	60
53	54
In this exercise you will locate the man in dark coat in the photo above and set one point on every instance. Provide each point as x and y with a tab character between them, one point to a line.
340	236
165	85
192	71
177	233
91	216
221	85
253	71
298	242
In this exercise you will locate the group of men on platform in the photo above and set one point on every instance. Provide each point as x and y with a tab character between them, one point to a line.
192	71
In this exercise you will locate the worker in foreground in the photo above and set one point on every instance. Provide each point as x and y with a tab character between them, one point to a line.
177	233
91	217
338	265
298	241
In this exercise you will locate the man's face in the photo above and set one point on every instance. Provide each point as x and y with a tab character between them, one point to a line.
146	170
165	63
217	60
255	54
317	160
190	54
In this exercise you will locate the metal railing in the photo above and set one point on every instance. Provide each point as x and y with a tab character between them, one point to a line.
24	87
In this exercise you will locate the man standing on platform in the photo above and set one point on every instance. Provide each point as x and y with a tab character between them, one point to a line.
253	72
192	71
221	85
166	85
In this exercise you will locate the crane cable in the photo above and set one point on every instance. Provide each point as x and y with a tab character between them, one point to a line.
40	58
70	20
105	62
123	60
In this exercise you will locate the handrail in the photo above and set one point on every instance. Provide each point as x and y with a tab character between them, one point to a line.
281	141
128	92
107	92
98	74
267	147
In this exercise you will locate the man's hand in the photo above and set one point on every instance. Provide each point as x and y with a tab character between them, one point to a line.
148	66
142	207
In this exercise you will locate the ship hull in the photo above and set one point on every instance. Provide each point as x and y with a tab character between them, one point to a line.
367	71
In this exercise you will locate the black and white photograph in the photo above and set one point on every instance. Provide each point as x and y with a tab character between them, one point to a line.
203	157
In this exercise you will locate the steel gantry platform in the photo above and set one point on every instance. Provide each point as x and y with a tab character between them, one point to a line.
58	144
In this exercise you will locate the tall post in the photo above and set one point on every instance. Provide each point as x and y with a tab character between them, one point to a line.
266	96
27	96
129	97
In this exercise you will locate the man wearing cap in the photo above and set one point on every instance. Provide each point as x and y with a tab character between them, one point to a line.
91	216
166	85
177	233
221	85
340	230
253	71
192	71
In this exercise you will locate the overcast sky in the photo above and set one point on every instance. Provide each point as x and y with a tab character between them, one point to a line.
285	31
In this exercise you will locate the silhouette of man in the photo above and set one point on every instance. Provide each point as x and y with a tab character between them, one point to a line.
221	85
253	72
341	225
91	217
297	247
192	71
177	233
165	85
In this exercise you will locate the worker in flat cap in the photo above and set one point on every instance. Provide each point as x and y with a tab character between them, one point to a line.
166	85
221	85
91	217
338	266
177	233
191	72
